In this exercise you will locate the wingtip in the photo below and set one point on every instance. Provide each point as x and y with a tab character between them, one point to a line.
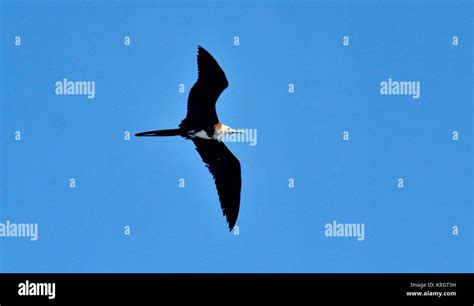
231	226
199	51
202	50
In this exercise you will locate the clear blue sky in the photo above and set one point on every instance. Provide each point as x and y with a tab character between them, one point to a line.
135	182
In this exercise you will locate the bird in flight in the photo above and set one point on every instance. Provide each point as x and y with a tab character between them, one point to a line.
203	127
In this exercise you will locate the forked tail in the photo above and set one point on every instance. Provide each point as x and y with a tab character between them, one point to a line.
172	132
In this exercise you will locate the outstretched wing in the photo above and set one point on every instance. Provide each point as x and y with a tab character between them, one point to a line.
203	96
225	168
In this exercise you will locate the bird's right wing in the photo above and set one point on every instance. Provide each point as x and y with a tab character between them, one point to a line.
225	168
203	96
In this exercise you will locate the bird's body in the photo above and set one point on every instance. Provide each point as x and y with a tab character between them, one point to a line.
203	127
216	132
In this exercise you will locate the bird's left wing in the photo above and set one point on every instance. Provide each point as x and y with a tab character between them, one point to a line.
225	168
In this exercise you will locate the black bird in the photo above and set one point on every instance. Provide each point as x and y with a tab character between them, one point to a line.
203	127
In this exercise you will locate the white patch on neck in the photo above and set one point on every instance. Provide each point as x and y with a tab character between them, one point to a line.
218	135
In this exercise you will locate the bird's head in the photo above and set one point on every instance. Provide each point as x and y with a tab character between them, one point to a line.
222	130
225	129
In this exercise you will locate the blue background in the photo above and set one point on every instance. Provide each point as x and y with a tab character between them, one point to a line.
135	182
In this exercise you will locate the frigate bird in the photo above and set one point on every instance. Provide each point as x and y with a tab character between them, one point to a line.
202	126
